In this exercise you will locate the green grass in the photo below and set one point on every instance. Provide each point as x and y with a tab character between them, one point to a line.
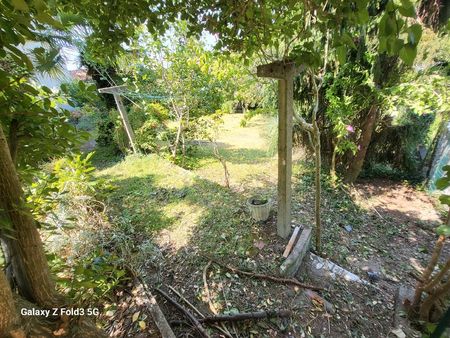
248	152
175	206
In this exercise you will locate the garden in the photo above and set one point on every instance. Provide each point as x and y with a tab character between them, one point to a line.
223	169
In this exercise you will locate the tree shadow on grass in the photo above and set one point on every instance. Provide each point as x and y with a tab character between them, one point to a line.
222	226
224	230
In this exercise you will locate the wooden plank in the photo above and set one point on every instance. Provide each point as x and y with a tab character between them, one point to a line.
126	122
292	264
111	90
284	71
291	242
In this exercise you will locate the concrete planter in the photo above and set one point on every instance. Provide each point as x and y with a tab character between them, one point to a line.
259	208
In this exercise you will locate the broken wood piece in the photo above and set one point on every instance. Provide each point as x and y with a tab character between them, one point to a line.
291	281
193	320
212	308
246	316
186	301
291	242
292	264
160	320
315	297
153	307
221	329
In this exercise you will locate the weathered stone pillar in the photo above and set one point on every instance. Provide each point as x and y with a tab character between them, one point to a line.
284	72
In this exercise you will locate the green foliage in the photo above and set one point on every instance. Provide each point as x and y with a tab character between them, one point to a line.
82	93
90	279
443	183
396	142
394	34
68	181
107	122
40	127
351	92
152	136
89	119
250	113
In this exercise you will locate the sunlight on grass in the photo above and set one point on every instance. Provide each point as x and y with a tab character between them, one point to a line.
176	207
247	150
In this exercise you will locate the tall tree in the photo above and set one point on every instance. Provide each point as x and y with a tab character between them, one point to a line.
22	237
9	318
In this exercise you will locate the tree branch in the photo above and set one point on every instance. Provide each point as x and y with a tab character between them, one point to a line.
194	320
291	281
246	316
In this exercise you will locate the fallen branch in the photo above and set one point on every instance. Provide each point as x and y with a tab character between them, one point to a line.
291	281
221	329
186	301
246	316
205	285
193	320
153	307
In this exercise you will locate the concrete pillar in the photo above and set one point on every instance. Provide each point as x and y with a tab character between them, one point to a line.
285	73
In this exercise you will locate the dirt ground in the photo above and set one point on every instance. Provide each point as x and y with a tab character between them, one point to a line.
375	226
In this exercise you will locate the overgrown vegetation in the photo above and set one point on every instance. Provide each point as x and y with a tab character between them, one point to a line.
371	99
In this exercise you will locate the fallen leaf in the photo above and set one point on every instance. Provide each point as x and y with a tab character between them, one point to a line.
259	244
142	325
135	316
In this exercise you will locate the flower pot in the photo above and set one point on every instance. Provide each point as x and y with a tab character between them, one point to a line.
259	208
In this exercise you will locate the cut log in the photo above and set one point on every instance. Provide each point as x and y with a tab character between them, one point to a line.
291	242
153	307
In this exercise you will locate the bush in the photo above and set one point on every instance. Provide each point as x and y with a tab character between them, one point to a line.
148	124
89	119
150	137
91	278
106	127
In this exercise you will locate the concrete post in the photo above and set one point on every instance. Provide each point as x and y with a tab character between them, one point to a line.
285	73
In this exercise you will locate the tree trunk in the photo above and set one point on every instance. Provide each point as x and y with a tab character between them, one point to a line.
13	139
9	318
8	264
178	137
333	165
368	127
318	160
27	252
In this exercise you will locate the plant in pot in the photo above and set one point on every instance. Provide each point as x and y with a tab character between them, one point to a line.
259	208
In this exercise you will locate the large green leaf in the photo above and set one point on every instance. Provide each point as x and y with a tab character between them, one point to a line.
20	5
442	183
443	230
445	199
407	54
407	9
341	54
414	33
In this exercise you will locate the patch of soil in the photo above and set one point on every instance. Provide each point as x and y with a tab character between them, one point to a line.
398	201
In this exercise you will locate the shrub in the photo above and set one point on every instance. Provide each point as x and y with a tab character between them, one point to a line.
150	137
